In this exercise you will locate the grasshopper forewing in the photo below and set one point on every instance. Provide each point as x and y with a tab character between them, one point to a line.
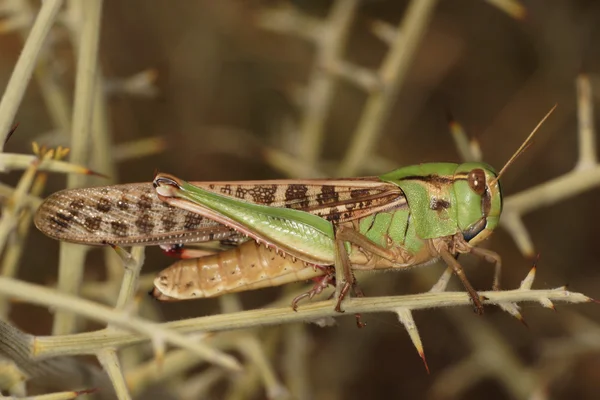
128	214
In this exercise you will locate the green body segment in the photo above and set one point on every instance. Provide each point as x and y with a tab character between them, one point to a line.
296	232
395	225
428	189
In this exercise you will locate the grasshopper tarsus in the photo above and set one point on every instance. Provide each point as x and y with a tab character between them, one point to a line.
320	284
358	293
359	323
477	303
297	299
345	289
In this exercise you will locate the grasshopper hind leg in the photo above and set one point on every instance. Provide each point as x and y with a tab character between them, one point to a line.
322	282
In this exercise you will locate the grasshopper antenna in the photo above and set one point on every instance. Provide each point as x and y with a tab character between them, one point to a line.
525	144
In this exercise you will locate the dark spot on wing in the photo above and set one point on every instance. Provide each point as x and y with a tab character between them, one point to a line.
123	204
226	189
64	217
327	195
145	202
92	224
77	204
358	193
296	196
192	221
119	228
144	223
168	221
260	194
103	205
62	221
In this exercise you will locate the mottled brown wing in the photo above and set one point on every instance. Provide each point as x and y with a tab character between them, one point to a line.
336	200
132	214
129	214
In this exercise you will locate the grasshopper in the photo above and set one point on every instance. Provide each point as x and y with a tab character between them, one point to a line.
296	230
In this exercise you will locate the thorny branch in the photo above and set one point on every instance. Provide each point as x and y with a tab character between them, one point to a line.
92	341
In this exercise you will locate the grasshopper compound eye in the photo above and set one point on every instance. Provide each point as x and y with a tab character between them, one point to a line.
476	179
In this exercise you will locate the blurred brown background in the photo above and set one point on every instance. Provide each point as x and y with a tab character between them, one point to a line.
225	94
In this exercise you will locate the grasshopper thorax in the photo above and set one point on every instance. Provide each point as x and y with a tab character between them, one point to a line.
447	198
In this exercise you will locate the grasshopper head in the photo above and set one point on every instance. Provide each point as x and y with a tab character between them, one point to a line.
479	200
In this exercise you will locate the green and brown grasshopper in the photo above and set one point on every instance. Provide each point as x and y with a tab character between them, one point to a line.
297	229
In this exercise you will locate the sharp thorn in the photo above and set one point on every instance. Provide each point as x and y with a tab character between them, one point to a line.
10	133
522	320
528	281
94	173
547	303
592	300
422	355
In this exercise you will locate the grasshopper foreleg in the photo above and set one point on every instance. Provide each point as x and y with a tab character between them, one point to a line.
450	246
